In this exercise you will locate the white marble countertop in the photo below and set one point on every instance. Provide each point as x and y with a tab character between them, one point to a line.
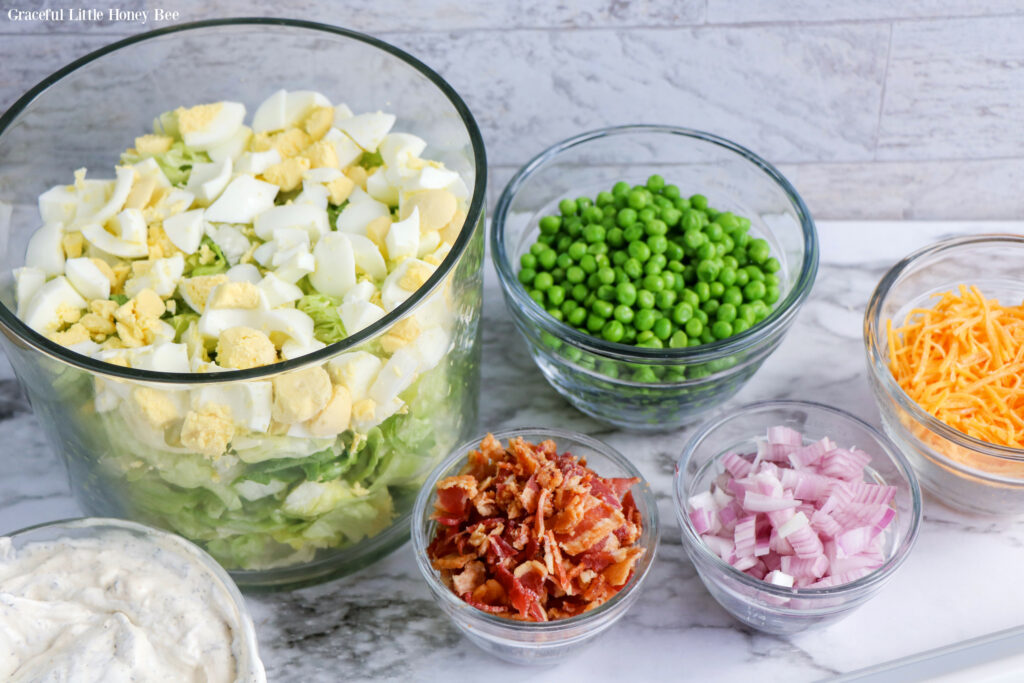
961	581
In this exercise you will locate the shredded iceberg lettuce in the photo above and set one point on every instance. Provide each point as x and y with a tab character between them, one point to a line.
176	163
323	309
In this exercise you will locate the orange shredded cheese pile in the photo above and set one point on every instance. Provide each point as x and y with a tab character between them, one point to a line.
963	362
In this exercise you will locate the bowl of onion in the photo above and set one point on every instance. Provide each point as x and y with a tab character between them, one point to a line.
794	513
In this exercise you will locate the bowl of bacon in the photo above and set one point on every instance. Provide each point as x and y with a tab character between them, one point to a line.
534	541
794	513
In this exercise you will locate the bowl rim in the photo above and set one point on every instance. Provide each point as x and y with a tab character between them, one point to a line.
183	548
877	356
420	538
21	334
694	543
779	318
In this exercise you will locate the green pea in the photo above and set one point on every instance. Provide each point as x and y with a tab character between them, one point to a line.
620	188
645	299
614	236
717	289
772	295
550	224
577	317
644	319
556	295
715	232
670	191
721	329
637	200
595	323
526	275
755	273
651	343
678	340
602	308
673	251
665	299
658	244
742	277
701	315
727	220
613	331
606	275
746	313
653	283
693	327
706	337
545	240
579	292
556	314
633	233
740	325
598	249
654	265
593	214
758	250
639	251
727	276
732	295
573	226
655	183
619	258
710	306
703	291
771	280
537	296
688	296
726	312
772	265
568	207
575	274
707	270
633	268
606	293
699	201
662	329
671	216
682	312
707	251
588	263
656	227
626	217
547	259
626	293
593	233
754	290
646	215
577	250
623	313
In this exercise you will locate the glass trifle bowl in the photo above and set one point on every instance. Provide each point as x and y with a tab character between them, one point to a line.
279	507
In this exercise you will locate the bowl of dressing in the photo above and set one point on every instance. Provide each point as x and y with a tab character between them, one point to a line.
97	599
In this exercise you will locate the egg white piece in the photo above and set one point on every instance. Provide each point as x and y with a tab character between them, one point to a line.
242	200
309	218
264	253
244	272
207	181
356	315
150	170
270	115
428	243
314	194
27	281
344	146
185	230
289	322
341	112
335	271
398	149
174	202
59	204
380	188
296	267
361	209
396	376
214	321
231	241
218	129
129	240
275	292
430	178
356	370
368	130
368	257
292	349
324	174
250	402
363	291
86	277
255	163
165	357
122	187
162	277
299	103
403	238
42	313
45	251
233	147
431	347
392	294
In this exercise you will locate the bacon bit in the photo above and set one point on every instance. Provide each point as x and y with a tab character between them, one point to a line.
532	535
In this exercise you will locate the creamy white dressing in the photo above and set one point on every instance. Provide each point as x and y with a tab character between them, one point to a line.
116	608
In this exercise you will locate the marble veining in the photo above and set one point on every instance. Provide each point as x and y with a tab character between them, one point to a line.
961	581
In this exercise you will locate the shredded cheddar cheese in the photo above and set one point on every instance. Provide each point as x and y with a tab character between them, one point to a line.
963	362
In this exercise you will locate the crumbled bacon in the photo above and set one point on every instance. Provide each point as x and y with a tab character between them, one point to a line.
528	534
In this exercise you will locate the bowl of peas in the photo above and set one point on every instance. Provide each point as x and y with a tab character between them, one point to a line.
651	269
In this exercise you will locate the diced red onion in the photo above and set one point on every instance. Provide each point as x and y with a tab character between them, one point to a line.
737	465
785	436
759	502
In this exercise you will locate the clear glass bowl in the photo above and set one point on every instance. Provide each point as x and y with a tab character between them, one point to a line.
761	605
539	643
245	646
961	471
639	388
85	115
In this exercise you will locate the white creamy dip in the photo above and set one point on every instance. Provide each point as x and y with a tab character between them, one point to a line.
118	607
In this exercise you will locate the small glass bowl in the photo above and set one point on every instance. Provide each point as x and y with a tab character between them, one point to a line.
761	605
642	388
961	471
524	642
245	646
